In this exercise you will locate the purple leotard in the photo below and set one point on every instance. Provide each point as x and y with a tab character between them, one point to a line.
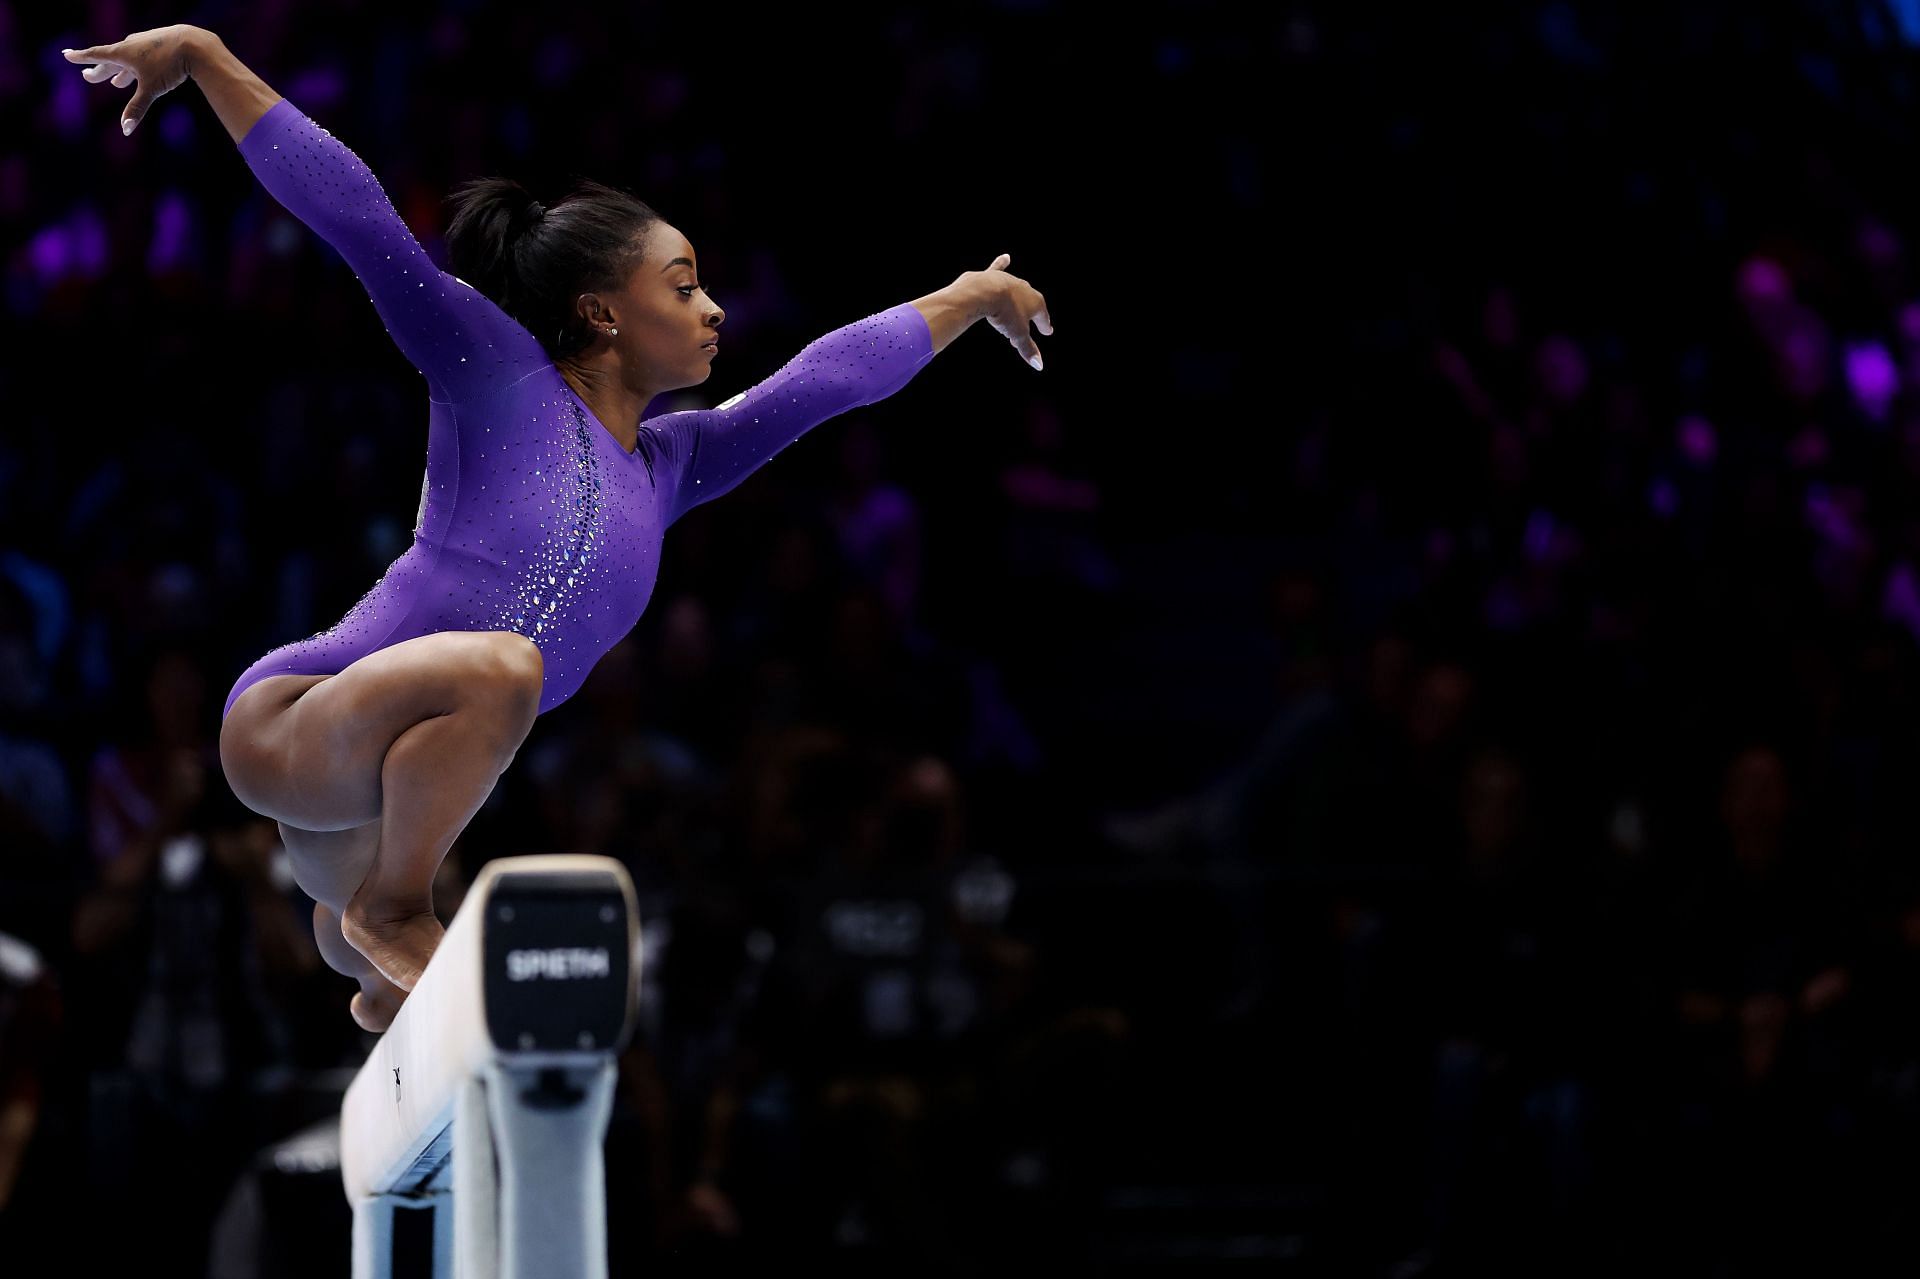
533	518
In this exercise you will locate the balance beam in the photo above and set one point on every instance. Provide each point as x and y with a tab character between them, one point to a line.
487	1099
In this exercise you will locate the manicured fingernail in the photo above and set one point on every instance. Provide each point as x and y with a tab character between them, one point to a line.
1035	361
126	127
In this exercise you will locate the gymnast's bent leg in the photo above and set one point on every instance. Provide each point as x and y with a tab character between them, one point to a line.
411	739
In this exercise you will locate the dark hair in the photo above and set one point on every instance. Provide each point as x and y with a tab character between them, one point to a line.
535	263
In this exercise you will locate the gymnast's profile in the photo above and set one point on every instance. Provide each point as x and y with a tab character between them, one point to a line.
545	499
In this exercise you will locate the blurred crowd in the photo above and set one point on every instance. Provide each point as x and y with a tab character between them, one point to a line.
1468	833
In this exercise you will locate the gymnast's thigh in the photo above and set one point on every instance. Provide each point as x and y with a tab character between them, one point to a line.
308	750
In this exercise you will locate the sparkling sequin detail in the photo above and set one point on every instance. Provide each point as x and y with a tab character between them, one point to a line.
533	516
564	562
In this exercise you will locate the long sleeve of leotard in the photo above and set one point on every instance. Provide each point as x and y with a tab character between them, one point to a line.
457	337
709	451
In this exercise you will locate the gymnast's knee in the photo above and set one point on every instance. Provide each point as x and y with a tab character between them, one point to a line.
514	675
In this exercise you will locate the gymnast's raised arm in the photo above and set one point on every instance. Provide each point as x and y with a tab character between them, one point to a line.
440	323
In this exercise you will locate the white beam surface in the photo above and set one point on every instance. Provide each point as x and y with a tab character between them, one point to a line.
396	1121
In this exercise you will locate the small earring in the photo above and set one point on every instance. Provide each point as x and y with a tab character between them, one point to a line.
613	333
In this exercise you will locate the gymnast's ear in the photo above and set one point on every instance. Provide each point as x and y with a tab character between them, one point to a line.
589	307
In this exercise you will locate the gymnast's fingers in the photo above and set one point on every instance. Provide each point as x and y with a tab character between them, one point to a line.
1000	263
125	78
1015	327
136	108
94	53
1028	351
100	71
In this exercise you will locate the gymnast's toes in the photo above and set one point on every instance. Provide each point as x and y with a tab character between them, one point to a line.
375	1012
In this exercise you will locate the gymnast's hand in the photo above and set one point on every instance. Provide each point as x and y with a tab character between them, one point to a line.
1013	306
156	59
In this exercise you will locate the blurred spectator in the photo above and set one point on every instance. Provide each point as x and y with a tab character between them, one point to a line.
31	1012
877	523
36	797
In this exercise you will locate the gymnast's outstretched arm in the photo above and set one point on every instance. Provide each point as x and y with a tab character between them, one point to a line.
710	451
462	342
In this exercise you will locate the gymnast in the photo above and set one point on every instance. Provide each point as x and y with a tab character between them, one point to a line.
546	495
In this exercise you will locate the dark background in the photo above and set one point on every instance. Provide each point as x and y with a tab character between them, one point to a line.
1393	755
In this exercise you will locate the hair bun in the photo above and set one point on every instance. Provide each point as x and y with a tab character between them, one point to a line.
525	217
497	242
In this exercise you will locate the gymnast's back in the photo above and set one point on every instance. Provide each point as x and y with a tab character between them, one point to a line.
533	517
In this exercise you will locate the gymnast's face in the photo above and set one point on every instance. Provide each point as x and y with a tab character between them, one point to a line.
664	315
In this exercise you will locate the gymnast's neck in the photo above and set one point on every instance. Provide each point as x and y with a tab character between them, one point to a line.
616	403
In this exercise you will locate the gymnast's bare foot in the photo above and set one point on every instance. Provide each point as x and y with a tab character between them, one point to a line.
375	1007
397	942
